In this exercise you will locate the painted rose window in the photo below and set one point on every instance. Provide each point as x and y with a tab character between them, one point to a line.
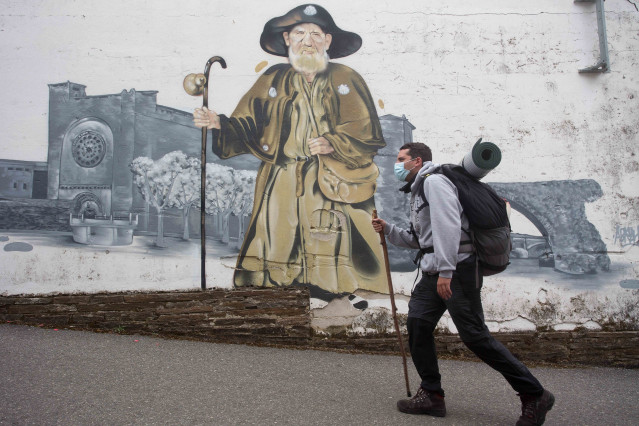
88	148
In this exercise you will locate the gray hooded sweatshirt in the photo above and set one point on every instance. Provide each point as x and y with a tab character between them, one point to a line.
437	225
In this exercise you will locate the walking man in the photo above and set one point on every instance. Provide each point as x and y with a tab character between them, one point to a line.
449	281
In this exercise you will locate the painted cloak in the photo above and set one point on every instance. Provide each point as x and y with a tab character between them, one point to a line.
296	235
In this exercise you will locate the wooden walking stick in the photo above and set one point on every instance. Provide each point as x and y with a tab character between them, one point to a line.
393	307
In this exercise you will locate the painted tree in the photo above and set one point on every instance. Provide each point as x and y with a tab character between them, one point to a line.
245	187
155	180
220	195
186	193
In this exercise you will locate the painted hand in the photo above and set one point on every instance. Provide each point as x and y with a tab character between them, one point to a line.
443	288
319	146
204	117
378	225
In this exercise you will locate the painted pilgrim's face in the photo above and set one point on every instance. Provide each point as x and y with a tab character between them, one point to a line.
307	46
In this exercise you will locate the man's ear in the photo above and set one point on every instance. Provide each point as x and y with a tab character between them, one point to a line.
419	162
286	39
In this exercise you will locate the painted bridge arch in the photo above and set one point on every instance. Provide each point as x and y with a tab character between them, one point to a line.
557	209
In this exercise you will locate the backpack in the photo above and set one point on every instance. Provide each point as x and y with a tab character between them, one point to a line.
487	216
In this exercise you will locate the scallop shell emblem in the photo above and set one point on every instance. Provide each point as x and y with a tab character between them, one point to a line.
310	10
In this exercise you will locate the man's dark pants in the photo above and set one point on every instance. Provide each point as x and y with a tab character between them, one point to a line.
425	309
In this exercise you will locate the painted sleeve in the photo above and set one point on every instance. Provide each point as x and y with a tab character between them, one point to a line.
255	123
445	212
239	131
224	144
356	134
400	237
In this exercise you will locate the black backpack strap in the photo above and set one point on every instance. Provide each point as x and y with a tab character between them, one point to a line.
472	242
467	246
412	231
422	195
419	255
464	247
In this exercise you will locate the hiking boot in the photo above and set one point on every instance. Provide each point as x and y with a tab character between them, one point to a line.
534	408
424	402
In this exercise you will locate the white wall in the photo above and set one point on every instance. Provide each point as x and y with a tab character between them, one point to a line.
503	70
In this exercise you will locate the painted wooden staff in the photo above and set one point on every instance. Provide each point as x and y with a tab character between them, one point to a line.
393	307
196	85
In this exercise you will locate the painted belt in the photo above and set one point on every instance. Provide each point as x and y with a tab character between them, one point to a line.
301	161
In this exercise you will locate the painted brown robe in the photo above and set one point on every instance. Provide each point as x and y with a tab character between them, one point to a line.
296	234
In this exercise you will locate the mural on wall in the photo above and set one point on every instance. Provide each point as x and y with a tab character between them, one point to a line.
314	126
291	188
173	181
165	183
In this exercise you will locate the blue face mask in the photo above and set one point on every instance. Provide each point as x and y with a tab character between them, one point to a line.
401	172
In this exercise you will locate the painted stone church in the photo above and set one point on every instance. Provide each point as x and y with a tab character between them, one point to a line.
93	139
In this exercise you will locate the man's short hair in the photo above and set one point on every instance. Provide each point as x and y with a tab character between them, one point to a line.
418	149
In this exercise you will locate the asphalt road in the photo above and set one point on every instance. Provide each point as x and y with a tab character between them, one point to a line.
79	378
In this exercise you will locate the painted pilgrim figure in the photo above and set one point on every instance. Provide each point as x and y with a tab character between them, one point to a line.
314	125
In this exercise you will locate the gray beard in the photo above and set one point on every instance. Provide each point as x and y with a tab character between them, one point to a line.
306	64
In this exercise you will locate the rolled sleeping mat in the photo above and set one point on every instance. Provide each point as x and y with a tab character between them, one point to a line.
483	158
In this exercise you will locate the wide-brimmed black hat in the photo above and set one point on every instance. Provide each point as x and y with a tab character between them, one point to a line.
343	44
